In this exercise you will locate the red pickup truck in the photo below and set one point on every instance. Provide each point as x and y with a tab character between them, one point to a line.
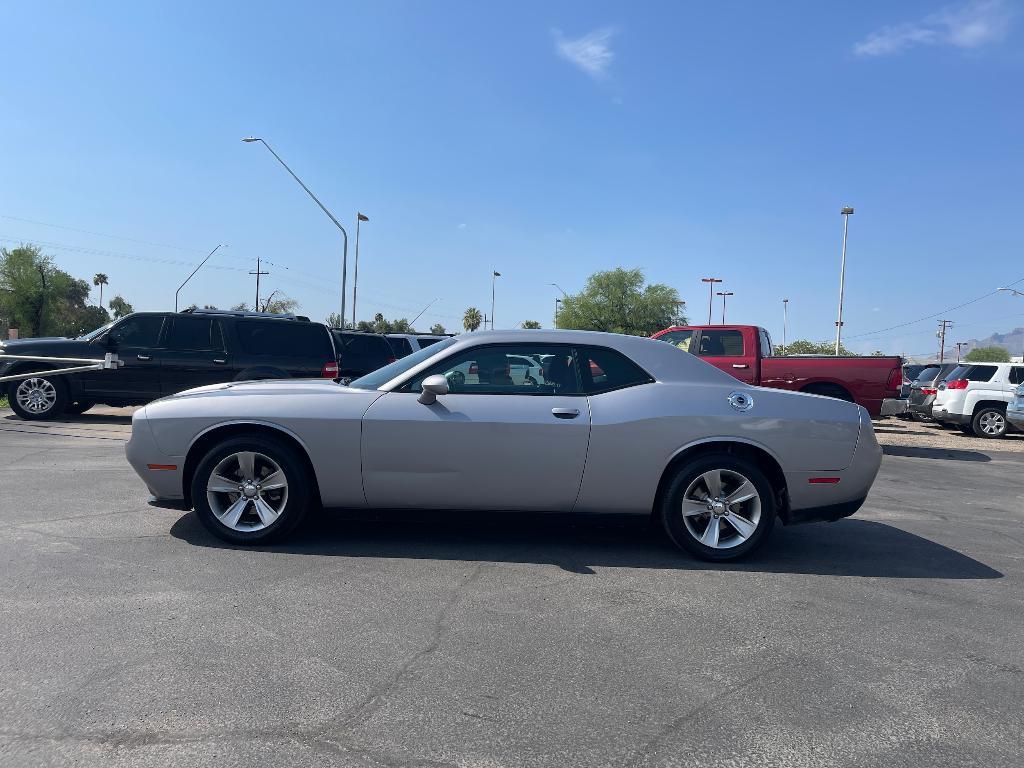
745	351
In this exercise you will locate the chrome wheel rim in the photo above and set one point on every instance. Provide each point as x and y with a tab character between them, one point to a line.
247	491
36	395
721	508
992	423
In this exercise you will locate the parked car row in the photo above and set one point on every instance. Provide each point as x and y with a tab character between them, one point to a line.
167	352
979	398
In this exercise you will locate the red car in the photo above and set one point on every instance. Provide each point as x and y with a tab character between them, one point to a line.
745	351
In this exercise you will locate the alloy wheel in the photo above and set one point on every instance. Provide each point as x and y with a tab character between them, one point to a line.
36	395
721	508
992	423
247	491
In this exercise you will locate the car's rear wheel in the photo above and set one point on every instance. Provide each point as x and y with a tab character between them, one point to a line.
250	489
989	422
718	507
38	398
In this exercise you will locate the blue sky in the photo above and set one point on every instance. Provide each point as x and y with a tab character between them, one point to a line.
544	140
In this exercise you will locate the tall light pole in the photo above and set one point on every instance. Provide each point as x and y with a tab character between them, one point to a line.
355	279
557	302
344	253
711	293
846	212
723	294
494	278
785	320
222	245
959	345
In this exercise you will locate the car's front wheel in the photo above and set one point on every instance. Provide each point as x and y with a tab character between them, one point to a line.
989	422
38	398
250	489
718	507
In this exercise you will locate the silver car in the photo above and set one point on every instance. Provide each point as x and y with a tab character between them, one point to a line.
605	424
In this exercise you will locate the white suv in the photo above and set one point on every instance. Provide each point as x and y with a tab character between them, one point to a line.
407	343
975	395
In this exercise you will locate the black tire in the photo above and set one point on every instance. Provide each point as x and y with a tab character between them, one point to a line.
989	422
674	523
55	409
296	501
78	407
829	390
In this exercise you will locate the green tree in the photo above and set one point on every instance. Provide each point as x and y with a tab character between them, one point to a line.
988	355
471	319
91	318
38	298
334	320
617	301
278	305
120	307
529	324
99	279
804	347
438	329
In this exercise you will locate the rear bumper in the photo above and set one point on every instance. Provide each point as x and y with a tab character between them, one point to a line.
941	414
892	406
827	514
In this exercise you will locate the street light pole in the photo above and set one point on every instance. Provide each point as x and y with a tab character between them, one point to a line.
222	245
711	293
557	302
723	294
785	320
344	254
846	211
494	278
355	279
959	345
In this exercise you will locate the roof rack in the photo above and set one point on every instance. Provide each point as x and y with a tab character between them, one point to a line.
245	313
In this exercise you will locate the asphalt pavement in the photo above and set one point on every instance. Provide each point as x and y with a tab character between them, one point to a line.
130	637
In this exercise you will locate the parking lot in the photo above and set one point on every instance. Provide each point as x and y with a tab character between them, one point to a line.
131	637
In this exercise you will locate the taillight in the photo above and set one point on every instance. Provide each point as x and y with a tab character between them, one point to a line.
895	379
390	361
330	370
928	391
957	384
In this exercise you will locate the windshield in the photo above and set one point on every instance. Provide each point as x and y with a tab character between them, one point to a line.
382	376
93	334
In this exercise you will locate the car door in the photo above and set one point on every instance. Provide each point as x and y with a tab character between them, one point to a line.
136	340
194	354
725	348
489	444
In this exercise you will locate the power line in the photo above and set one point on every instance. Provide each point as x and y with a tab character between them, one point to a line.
115	254
100	234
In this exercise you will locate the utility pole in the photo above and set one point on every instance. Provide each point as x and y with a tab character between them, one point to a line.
943	326
711	293
846	211
959	346
258	273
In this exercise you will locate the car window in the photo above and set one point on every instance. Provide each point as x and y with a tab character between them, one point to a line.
603	370
500	370
401	346
382	376
193	334
928	374
365	344
766	343
283	338
427	342
721	344
137	331
679	339
980	373
1017	375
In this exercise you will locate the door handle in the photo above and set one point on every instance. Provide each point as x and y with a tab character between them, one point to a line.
144	357
565	413
220	361
740	365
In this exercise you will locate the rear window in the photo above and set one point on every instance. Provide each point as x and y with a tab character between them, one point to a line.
721	344
912	372
284	338
1017	375
678	339
928	374
427	342
973	373
401	346
602	370
364	344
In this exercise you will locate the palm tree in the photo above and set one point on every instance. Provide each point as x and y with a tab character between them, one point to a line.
530	324
100	279
471	319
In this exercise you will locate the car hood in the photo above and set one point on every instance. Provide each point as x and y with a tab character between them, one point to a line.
267	387
51	347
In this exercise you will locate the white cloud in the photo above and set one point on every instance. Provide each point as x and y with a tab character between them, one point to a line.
461	226
972	25
592	53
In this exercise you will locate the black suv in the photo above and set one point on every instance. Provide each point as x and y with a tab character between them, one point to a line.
360	353
164	353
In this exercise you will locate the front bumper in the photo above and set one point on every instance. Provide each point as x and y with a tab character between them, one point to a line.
892	406
941	414
161	473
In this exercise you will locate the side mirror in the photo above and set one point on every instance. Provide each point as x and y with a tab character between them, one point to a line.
433	386
108	340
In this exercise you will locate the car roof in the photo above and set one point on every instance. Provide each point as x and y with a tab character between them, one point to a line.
663	361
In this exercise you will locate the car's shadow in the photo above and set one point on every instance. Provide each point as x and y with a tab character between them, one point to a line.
950	454
578	544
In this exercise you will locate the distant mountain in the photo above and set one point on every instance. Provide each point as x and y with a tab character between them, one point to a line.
1013	342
